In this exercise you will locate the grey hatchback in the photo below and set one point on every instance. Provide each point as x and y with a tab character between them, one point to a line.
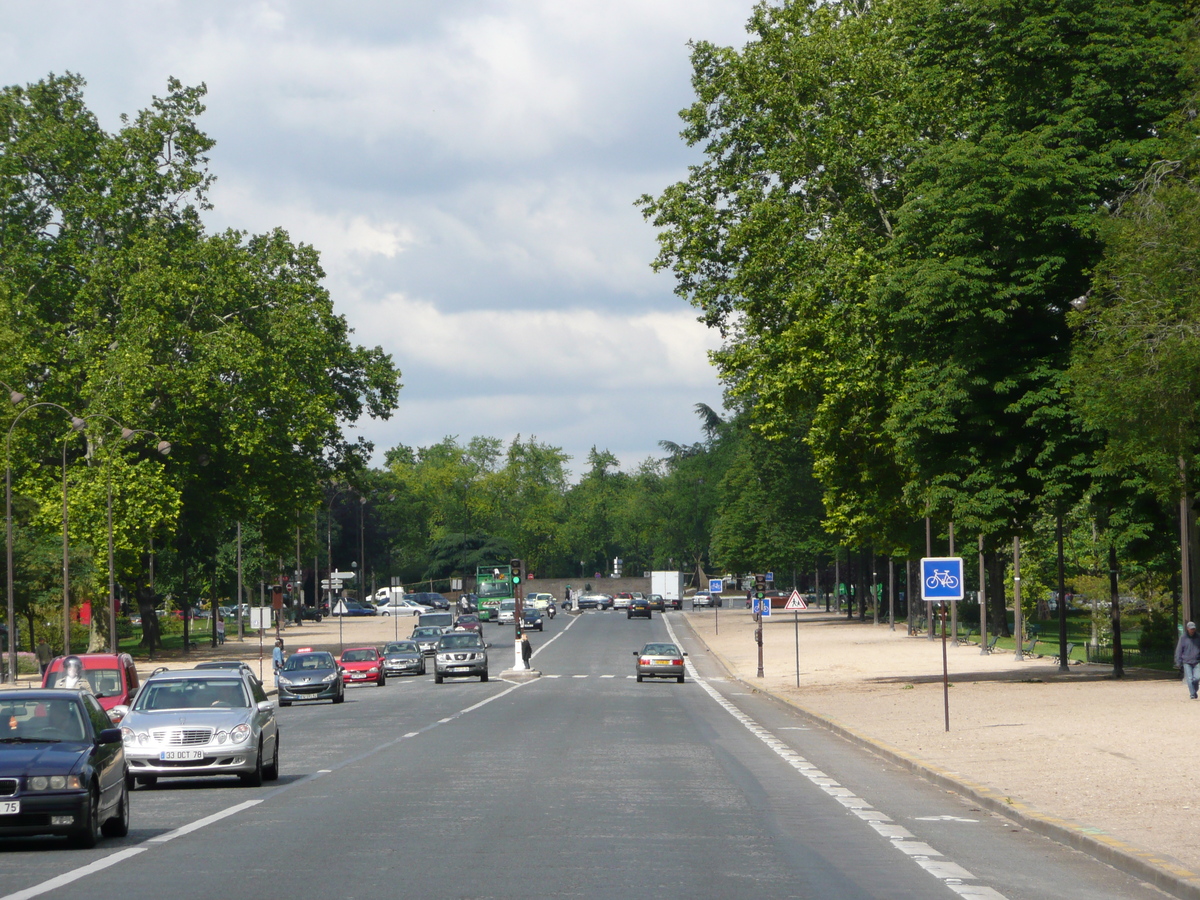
657	660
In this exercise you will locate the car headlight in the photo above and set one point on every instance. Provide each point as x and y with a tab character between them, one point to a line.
221	737
283	679
240	734
331	677
54	783
374	670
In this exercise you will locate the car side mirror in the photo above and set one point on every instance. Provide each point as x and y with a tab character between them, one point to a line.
685	653
265	706
109	736
117	713
635	653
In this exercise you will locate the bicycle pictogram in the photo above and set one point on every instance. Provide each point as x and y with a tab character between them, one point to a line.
941	578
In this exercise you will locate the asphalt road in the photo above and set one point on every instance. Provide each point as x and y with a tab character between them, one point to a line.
583	783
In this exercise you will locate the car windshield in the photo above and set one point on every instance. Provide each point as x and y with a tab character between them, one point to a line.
309	661
192	693
427	631
660	650
60	719
104	682
400	647
532	613
493	589
358	656
460	642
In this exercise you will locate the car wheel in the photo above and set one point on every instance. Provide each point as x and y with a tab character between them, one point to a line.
680	679
483	677
639	678
424	671
147	780
271	772
130	781
118	825
255	778
437	677
340	697
285	702
87	836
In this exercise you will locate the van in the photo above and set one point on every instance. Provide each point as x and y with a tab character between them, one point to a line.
112	676
442	619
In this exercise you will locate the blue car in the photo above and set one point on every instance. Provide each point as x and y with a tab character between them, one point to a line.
531	619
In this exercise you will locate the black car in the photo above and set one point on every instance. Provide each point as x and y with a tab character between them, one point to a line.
657	602
639	606
403	658
531	618
353	608
429	598
311	675
62	767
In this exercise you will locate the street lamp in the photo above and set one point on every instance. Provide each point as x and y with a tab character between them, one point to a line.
77	424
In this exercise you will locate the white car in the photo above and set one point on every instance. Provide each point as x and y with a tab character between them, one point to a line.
540	600
400	608
622	600
702	598
508	612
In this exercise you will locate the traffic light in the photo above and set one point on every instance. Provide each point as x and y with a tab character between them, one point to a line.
760	587
518	570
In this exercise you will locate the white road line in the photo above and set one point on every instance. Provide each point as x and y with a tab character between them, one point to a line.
608	676
75	874
931	860
555	638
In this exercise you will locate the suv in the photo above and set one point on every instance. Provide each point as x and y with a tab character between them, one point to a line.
460	653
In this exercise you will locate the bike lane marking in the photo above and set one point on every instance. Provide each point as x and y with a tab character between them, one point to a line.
948	872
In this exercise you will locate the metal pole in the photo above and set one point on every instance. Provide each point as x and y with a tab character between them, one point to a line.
983	638
758	637
297	586
112	584
874	589
908	594
892	593
953	603
1019	619
796	616
241	634
945	669
1064	664
66	569
931	626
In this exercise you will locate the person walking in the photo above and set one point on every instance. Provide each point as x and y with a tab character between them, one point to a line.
1187	658
526	649
44	656
220	629
277	660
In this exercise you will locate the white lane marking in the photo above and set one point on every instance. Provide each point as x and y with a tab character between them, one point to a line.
75	874
943	819
121	855
579	676
932	861
555	638
608	676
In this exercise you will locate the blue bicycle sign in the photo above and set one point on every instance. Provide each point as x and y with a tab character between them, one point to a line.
942	578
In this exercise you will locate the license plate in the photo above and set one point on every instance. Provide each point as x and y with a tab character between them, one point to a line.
10	807
356	675
181	754
458	668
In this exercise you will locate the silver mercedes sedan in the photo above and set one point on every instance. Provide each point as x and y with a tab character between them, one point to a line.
184	724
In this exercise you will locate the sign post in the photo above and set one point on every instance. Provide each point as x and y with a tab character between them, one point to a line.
715	587
796	603
942	580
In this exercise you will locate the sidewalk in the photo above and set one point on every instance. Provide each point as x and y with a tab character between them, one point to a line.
1100	764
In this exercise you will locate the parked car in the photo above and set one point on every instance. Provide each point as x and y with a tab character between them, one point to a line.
460	655
431	599
403	658
311	675
349	607
111	677
531	619
639	606
426	637
658	660
362	664
201	723
62	767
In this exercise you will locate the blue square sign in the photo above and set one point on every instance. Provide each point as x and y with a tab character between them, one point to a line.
716	585
941	578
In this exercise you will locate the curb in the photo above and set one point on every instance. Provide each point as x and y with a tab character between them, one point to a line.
1160	871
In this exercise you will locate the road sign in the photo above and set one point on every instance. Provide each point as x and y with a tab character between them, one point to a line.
327	584
771	577
795	601
716	585
344	576
763	606
941	578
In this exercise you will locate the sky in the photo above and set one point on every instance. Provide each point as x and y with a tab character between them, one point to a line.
468	171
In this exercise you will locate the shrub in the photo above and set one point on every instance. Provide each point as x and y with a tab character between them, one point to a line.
1158	634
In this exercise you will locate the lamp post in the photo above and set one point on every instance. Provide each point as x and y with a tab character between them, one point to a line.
77	424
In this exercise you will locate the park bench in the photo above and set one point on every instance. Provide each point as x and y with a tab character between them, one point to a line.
966	638
1033	639
992	643
1070	648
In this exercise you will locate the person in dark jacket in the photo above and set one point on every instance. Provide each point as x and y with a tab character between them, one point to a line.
1187	657
526	649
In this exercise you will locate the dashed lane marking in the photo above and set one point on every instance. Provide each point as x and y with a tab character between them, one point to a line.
927	857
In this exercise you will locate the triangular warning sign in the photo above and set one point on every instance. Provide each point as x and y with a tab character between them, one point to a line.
795	601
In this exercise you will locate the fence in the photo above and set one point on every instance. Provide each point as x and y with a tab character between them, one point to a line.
1131	657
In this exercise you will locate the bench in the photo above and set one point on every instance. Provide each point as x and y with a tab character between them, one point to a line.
991	645
1070	649
966	637
1033	639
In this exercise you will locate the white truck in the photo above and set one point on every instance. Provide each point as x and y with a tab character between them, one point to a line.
668	584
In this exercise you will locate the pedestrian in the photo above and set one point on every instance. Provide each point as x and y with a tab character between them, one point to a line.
526	649
44	656
220	629
1187	658
277	660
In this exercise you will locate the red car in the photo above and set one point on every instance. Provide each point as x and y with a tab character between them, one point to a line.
363	664
113	678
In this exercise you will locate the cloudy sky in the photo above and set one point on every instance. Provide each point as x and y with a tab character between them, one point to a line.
468	171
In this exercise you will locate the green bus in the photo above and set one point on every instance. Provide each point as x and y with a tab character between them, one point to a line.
493	584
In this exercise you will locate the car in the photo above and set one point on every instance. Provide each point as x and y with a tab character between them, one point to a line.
311	675
705	599
201	723
659	660
227	664
540	599
639	606
463	654
468	622
657	602
432	599
112	678
508	612
622	600
590	601
638	595
402	607
531	619
347	607
62	767
363	664
403	658
426	637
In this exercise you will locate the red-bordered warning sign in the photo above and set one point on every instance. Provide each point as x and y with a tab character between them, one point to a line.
795	601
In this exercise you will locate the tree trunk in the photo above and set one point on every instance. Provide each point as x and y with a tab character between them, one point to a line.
151	634
997	599
1064	664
